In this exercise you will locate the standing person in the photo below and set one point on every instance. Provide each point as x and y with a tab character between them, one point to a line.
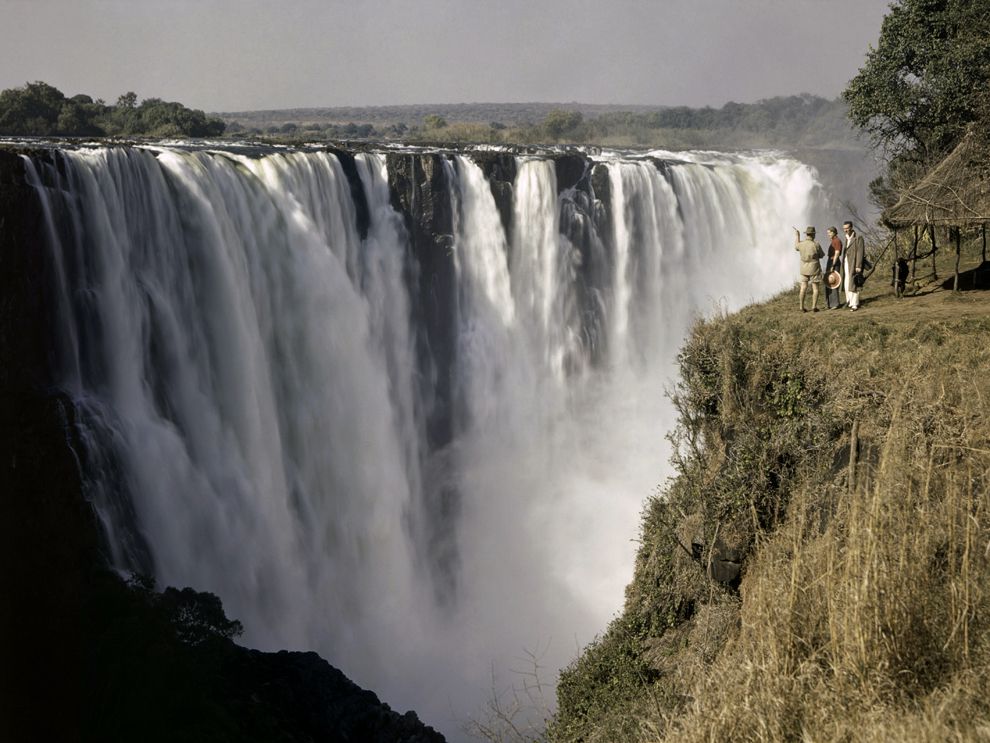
854	254
811	269
834	263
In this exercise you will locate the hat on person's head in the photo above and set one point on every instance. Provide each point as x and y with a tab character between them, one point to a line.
833	280
810	231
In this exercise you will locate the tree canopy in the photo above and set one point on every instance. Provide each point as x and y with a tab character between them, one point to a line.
434	121
559	122
40	109
926	80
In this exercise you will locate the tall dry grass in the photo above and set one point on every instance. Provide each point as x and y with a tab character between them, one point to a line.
870	624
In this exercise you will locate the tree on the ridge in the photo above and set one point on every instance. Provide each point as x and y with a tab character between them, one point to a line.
33	109
127	100
559	122
435	121
40	109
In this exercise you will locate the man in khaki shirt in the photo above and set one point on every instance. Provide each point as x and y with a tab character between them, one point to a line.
811	269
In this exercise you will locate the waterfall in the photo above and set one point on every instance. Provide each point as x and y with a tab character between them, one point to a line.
243	335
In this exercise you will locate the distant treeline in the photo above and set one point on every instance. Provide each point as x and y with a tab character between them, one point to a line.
509	114
791	115
39	109
799	120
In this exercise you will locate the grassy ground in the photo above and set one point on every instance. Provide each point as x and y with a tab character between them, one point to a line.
927	298
817	568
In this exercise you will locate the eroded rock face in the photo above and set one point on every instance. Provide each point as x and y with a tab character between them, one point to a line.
500	170
421	194
723	563
571	168
362	213
420	191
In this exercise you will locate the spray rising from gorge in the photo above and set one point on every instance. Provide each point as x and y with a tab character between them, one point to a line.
401	408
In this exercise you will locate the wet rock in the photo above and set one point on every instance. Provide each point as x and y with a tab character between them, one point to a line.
500	170
570	169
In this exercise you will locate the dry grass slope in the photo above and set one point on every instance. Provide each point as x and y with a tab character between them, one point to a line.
844	459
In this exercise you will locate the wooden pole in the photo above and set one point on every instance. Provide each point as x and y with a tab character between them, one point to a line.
984	226
934	250
914	252
893	271
955	280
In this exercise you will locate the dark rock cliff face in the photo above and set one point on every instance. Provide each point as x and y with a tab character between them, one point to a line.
363	214
570	169
421	190
500	170
83	656
47	534
421	194
586	223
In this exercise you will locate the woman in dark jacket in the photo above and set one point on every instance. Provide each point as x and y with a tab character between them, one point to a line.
834	263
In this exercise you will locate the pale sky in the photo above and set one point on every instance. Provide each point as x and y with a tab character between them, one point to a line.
229	55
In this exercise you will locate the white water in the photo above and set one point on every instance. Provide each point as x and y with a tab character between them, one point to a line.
247	364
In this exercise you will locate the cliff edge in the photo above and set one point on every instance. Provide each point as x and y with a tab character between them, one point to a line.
816	568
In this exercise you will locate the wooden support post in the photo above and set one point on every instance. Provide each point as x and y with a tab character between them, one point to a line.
914	252
984	229
893	270
955	280
934	250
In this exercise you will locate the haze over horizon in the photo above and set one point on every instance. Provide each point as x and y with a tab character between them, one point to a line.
240	55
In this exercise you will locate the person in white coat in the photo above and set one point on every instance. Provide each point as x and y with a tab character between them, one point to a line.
854	253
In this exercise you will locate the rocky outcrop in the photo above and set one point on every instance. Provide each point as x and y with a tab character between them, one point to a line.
155	674
500	170
570	168
421	194
586	223
362	213
722	563
302	691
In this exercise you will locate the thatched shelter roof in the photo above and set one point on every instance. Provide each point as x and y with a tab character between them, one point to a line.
955	193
